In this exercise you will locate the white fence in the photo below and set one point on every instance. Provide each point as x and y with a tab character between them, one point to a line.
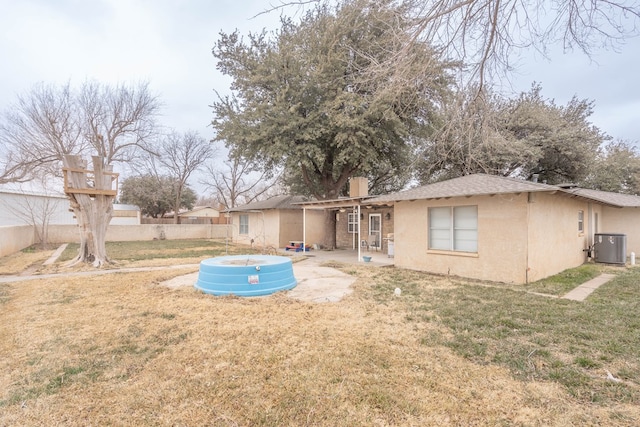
16	238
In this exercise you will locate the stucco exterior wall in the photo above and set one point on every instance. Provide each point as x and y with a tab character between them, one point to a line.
624	221
292	223
278	226
264	228
502	239
201	213
290	226
555	243
521	237
315	226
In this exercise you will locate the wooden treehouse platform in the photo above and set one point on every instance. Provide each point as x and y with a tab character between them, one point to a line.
86	182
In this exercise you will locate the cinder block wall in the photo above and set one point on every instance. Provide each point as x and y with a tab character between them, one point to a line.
15	238
127	233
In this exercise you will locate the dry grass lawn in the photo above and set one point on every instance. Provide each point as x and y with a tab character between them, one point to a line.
122	349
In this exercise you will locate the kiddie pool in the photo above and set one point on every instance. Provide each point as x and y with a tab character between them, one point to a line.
245	275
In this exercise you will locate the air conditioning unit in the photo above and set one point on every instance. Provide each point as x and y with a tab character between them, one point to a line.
610	248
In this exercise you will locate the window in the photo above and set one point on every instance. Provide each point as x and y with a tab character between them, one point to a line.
454	228
244	224
352	223
580	221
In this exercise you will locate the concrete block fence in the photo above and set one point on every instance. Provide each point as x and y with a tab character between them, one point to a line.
16	238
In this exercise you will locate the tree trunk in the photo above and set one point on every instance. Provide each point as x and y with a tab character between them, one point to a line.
93	211
176	209
330	229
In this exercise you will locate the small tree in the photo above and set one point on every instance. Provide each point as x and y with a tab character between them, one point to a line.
155	195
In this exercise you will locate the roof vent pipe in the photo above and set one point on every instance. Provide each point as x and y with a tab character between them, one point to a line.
534	177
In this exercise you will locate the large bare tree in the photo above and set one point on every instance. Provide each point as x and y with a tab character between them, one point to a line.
238	182
487	34
53	124
179	155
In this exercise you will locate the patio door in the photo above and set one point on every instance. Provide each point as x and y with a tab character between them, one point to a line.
375	230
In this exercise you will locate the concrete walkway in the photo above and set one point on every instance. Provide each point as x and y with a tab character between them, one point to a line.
583	291
319	284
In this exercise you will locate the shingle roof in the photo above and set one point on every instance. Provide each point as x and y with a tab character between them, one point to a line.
606	197
464	186
277	202
469	185
196	210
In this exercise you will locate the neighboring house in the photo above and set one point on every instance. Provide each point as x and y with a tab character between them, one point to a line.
125	215
203	214
504	229
276	222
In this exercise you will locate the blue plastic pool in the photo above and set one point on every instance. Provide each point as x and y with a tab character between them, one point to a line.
245	275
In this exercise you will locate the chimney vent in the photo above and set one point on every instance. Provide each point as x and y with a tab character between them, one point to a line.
358	186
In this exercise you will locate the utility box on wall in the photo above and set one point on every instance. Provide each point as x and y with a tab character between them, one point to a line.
610	248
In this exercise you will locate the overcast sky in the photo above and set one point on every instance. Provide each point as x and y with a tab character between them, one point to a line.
168	43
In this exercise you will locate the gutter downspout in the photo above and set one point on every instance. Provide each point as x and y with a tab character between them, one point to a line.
530	199
359	244
353	235
591	224
304	230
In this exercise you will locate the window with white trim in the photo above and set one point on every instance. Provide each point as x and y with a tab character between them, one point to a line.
454	228
581	221
243	227
352	223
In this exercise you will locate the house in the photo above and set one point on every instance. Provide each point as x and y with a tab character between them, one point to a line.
125	215
276	222
504	229
202	215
